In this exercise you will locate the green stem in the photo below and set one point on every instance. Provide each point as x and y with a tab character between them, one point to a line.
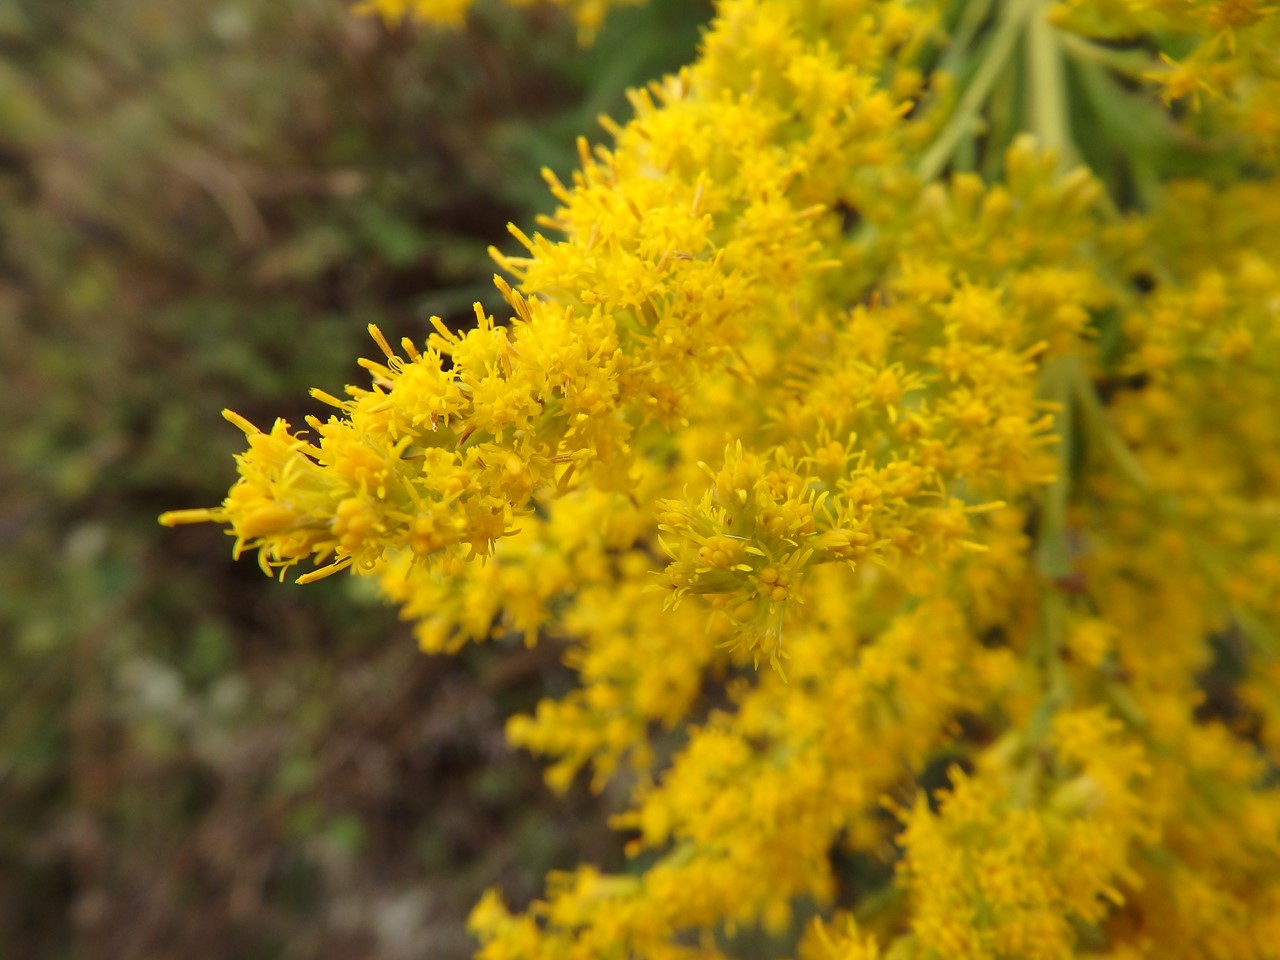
995	58
1101	429
970	21
1053	556
1134	64
1050	640
1049	120
1053	550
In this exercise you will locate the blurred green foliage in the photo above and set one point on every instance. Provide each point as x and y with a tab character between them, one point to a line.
203	206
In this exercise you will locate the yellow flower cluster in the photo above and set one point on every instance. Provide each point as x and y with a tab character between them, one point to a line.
1005	867
904	498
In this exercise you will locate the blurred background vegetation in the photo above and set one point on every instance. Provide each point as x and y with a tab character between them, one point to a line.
202	206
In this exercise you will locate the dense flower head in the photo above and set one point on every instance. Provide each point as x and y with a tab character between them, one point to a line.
902	490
